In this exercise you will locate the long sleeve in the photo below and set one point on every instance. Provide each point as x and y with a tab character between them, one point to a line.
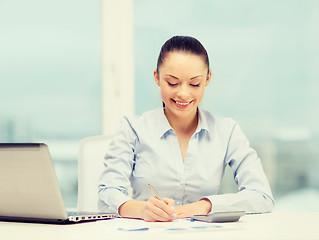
119	161
145	149
254	194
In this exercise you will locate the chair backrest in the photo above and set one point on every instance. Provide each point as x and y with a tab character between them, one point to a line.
90	167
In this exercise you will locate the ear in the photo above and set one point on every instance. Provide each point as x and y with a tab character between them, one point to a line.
156	77
209	76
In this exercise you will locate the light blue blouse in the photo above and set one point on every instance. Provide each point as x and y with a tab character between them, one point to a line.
145	150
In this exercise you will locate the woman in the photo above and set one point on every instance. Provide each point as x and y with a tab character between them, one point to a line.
181	150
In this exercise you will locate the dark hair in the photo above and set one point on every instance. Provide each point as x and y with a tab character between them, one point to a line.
184	44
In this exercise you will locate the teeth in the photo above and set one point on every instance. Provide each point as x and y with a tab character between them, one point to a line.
183	104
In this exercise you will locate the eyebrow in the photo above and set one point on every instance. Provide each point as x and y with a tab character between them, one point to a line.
178	78
197	77
169	75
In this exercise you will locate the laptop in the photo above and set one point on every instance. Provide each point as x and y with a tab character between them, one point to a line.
29	190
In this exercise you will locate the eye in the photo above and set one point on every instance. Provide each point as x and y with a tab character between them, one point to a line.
172	84
195	85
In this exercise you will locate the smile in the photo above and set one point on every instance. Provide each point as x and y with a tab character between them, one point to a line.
181	104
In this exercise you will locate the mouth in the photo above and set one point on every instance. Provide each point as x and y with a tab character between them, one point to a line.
182	104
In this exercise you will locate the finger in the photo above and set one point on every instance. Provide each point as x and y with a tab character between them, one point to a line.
149	216
156	209
162	213
153	217
169	202
162	205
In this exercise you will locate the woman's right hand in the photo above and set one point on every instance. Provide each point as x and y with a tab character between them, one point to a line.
156	210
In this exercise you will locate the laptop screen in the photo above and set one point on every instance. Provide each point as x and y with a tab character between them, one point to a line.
28	184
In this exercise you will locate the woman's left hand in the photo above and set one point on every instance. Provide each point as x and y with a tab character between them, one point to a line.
201	207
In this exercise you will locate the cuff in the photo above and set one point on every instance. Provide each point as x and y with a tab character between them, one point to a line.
114	198
207	198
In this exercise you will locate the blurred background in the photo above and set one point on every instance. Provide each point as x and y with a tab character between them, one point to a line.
265	61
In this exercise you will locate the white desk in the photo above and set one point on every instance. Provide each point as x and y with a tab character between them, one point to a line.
304	226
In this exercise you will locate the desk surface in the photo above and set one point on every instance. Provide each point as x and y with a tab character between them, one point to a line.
277	225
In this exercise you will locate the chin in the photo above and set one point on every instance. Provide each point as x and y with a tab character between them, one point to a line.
183	112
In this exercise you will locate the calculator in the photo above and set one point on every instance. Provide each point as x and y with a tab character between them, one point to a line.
219	217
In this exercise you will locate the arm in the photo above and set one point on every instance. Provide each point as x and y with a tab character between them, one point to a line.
254	194
201	207
119	164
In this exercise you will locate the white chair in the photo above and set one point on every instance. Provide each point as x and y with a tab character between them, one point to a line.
90	167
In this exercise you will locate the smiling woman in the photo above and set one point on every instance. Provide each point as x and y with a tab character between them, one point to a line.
181	150
182	78
182	74
182	85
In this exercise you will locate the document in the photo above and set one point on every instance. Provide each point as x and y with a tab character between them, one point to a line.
126	225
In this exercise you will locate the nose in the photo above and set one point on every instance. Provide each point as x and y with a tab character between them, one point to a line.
183	92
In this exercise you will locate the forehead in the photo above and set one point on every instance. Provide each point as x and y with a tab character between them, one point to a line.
183	61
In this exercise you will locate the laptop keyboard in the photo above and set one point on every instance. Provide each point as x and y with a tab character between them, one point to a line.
86	216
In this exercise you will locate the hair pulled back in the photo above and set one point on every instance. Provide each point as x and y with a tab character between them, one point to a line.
185	44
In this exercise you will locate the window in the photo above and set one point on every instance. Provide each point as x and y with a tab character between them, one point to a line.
264	57
50	73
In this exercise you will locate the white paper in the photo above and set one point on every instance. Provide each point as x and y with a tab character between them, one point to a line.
180	225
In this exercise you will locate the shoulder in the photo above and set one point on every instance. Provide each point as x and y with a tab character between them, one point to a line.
216	123
145	118
144	122
223	128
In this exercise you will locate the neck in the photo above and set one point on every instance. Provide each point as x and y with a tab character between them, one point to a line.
184	125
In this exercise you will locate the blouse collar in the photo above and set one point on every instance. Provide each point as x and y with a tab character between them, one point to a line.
164	127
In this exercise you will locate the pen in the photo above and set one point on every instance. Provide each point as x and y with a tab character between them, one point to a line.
155	192
157	195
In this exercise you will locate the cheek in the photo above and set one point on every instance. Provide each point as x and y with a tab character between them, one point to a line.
200	93
166	92
163	95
